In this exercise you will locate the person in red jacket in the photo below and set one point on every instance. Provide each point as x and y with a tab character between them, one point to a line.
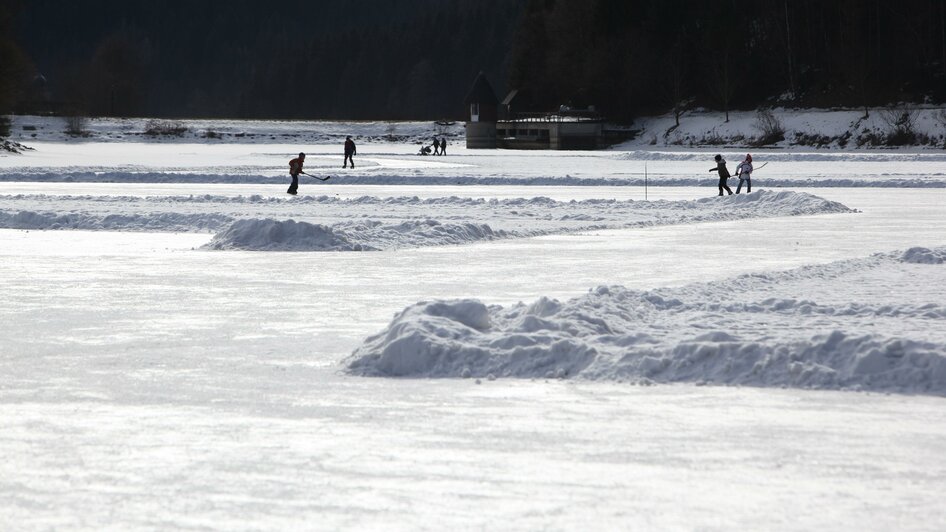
295	168
349	151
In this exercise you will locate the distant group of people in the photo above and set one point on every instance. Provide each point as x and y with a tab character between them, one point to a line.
439	147
296	164
743	172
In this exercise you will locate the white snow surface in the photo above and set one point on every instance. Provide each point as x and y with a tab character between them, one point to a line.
149	384
883	333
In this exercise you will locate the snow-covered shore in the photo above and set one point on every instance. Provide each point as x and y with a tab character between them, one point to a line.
903	126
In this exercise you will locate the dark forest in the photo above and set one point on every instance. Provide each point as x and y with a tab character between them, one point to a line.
416	59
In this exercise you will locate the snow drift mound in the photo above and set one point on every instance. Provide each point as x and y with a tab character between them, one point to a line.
274	235
417	233
745	333
369	235
920	255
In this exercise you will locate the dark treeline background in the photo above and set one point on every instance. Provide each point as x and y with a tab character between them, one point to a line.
277	59
397	59
645	56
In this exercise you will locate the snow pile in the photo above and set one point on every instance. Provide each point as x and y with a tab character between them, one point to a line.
920	255
274	235
418	233
753	330
781	203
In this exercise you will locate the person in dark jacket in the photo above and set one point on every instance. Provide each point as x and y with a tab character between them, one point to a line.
349	152
295	168
443	146
723	174
436	146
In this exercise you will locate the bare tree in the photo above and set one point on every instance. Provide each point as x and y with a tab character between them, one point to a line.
788	53
12	70
675	74
901	125
769	127
722	81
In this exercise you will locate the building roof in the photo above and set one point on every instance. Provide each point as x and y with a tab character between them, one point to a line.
511	96
481	92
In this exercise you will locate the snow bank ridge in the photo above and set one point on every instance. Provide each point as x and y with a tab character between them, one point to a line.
355	228
769	180
275	235
613	333
370	235
167	221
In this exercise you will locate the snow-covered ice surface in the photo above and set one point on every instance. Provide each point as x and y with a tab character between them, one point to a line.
149	384
369	223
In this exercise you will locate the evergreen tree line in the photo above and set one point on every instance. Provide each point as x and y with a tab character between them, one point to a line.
416	59
636	56
13	66
352	59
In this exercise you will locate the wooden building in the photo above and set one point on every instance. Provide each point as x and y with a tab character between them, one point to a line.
482	112
494	125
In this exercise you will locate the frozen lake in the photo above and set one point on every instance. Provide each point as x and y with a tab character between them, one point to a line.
149	385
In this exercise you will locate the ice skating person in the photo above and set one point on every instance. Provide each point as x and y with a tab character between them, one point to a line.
443	146
723	174
744	173
295	168
349	152
436	146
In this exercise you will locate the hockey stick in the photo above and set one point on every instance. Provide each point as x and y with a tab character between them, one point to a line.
317	177
754	169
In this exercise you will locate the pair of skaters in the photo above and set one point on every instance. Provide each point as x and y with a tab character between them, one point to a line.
295	165
743	172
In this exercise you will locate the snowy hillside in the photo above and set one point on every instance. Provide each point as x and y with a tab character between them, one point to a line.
846	129
188	131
